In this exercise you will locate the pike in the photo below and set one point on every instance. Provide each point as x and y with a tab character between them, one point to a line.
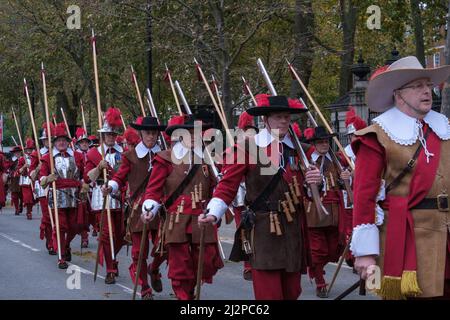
314	188
138	92
248	90
123	123
82	116
30	109
201	257
67	128
219	100
173	90
105	175
52	164
208	159
14	140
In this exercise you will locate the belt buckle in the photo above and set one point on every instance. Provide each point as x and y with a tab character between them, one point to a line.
442	202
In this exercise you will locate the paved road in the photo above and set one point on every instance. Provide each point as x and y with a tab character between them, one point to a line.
28	272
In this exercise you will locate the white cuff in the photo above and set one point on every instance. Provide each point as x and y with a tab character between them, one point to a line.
217	208
365	240
149	203
114	185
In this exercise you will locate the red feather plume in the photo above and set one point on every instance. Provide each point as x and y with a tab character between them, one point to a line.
262	100
131	136
309	133
112	116
297	130
295	104
80	132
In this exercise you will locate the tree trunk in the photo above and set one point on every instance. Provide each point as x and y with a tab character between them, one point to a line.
445	103
348	13
418	30
303	52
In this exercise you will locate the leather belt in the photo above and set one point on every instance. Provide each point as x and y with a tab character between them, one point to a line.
440	203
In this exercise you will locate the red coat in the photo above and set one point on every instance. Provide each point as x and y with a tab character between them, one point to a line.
21	163
93	158
63	183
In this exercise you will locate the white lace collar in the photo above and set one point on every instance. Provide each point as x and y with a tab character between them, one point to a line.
43	150
14	158
180	151
142	150
56	152
315	155
115	147
264	138
404	129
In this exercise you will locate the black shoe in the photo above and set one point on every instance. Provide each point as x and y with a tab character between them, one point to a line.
85	243
110	278
322	292
62	265
155	280
52	252
68	255
94	233
247	274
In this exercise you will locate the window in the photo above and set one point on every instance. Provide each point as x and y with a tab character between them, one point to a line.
437	59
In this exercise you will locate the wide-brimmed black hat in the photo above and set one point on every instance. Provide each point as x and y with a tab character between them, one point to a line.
147	123
317	133
268	104
185	122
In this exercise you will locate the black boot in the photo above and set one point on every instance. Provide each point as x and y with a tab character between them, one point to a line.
322	292
155	280
110	278
62	264
68	255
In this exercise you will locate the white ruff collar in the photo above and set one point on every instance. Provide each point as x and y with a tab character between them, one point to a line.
142	150
180	151
404	129
315	155
115	147
264	138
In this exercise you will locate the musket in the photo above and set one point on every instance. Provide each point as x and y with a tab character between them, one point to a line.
314	188
322	118
52	163
216	106
201	258
138	92
68	130
105	174
141	254
348	188
154	114
361	284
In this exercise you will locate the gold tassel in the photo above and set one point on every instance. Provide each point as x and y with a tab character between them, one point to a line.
391	288
409	284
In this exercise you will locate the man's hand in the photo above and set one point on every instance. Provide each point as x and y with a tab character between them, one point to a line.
313	175
346	174
106	190
84	188
206	219
103	164
362	264
52	177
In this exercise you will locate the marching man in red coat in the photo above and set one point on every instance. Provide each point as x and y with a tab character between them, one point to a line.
407	146
135	169
273	232
24	177
16	193
69	167
41	194
182	182
94	174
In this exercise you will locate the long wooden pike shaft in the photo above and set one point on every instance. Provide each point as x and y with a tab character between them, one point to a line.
18	131
67	128
173	91
138	92
33	124
99	113
52	163
82	116
140	259
249	91
219	100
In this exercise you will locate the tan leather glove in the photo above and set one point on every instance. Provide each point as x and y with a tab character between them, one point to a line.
48	179
84	188
103	164
34	174
94	174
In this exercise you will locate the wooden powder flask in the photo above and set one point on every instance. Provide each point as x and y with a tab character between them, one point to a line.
194	204
272	223
180	210
200	192
286	211
277	225
296	186
294	194
196	193
171	221
332	180
289	202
